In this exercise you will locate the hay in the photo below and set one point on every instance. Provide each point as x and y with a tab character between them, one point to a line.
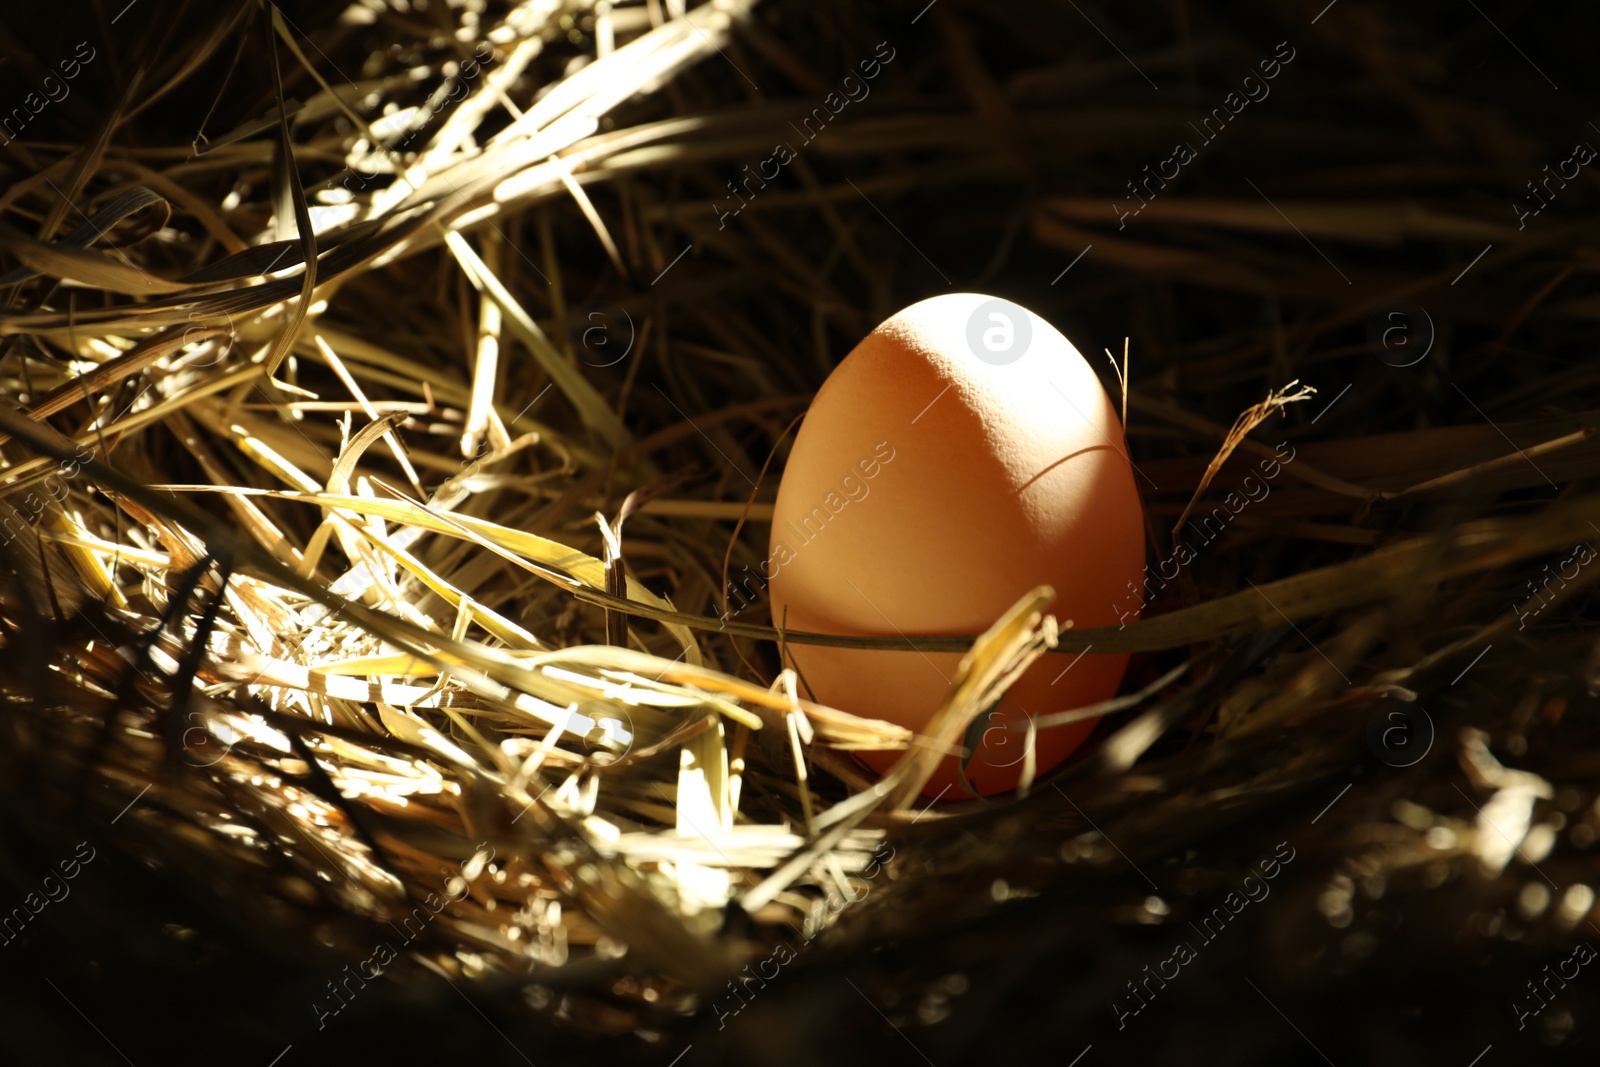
376	464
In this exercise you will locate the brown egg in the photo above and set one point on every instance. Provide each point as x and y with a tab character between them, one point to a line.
961	455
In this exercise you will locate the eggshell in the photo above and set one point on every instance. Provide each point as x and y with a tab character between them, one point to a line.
959	456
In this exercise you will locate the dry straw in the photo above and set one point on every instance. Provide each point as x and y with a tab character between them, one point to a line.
343	596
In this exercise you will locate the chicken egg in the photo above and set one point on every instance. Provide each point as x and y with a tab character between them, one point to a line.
961	455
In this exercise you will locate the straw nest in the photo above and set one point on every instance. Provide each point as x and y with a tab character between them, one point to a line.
379	386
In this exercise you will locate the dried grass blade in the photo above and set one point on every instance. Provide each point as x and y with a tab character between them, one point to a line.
592	407
995	660
95	227
1248	420
486	363
1382	224
289	200
514	636
1510	459
134	360
56	260
391	421
595	221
